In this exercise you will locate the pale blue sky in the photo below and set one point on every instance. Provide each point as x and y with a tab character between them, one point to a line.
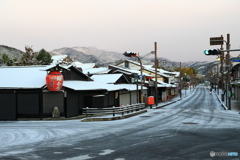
181	28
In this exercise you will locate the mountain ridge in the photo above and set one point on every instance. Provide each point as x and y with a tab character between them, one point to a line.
103	58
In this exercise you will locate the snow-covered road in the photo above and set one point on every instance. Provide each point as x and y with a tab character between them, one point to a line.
197	114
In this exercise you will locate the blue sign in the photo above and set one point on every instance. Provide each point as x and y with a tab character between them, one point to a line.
235	59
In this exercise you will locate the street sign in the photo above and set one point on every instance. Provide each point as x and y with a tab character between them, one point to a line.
216	41
235	59
229	94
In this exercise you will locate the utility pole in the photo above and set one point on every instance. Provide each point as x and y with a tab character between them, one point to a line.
180	88
217	80
156	76
222	70
228	73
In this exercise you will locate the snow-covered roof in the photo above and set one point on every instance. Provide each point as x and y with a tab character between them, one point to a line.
124	69
136	63
22	77
127	71
83	85
169	85
163	84
236	82
106	78
95	85
84	66
130	87
148	68
101	70
159	72
121	71
57	58
167	72
91	85
177	74
54	65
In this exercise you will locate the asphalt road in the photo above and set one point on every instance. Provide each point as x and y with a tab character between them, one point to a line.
188	129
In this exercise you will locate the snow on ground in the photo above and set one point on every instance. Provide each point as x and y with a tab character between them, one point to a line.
13	133
20	133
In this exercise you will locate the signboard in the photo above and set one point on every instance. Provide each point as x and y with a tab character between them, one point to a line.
235	59
134	80
151	83
134	75
229	94
171	80
216	41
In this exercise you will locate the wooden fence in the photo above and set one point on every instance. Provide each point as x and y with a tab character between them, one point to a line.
114	110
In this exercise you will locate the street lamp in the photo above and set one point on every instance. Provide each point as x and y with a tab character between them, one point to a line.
132	54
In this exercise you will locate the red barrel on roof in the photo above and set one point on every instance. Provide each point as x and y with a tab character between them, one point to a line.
54	81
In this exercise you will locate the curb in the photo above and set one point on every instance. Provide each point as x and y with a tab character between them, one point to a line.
63	118
158	107
220	101
112	118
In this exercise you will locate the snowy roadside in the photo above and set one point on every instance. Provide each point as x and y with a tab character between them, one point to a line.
235	104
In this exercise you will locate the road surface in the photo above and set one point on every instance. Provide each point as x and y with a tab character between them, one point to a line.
188	129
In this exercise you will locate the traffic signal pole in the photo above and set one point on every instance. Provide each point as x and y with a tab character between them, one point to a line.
141	98
132	54
227	81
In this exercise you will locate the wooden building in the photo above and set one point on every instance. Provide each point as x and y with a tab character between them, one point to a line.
236	81
24	94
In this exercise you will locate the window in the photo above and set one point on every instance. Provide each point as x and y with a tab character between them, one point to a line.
126	64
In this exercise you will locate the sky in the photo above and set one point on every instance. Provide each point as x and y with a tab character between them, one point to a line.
181	28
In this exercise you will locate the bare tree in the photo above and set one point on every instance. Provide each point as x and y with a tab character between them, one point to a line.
28	57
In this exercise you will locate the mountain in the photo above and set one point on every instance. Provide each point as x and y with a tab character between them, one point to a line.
11	52
89	55
201	67
103	58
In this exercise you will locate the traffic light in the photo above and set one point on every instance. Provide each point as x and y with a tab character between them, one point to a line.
130	54
212	52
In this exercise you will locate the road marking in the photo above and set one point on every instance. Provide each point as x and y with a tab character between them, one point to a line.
216	111
78	148
178	129
105	152
82	157
173	134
